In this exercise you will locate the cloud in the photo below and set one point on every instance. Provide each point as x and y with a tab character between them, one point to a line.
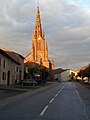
66	25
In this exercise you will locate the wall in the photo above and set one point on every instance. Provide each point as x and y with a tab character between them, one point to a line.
7	72
65	76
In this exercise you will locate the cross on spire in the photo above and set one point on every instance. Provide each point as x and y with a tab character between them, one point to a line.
37	3
38	27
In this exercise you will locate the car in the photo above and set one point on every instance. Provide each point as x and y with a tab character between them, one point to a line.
86	81
29	82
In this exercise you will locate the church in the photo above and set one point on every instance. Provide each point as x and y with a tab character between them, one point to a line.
39	50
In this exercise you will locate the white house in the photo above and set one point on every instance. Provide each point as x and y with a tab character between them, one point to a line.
64	75
57	74
68	74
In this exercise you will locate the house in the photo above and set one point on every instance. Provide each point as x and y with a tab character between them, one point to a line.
11	67
68	74
57	73
64	75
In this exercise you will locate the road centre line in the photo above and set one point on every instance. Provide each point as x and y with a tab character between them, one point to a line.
51	100
62	88
44	110
77	93
56	95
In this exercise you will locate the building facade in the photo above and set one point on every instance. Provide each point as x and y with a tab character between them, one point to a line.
57	74
39	50
68	74
11	67
64	75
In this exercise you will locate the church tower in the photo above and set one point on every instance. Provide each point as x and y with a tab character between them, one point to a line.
39	51
38	40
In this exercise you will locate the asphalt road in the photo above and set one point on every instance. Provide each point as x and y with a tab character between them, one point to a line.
5	93
61	102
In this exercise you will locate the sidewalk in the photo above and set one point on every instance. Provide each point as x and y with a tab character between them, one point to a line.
25	88
29	92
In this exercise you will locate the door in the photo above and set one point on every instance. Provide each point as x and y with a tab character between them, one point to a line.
8	78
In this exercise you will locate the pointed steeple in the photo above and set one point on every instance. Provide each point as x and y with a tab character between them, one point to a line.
37	2
38	28
39	52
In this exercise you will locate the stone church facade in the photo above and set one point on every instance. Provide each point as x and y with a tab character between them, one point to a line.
39	50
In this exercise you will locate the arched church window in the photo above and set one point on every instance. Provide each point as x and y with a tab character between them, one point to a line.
39	45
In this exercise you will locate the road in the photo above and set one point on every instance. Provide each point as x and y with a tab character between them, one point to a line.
63	101
9	93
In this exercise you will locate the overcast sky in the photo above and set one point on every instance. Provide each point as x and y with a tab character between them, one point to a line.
66	24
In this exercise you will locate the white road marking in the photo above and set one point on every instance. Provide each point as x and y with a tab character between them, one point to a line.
77	93
84	111
56	95
62	88
44	110
51	100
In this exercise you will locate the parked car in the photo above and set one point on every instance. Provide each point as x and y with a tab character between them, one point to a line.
37	77
85	80
29	82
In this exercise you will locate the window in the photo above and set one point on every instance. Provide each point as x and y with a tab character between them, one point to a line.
17	69
39	45
3	76
0	61
8	63
3	63
0	75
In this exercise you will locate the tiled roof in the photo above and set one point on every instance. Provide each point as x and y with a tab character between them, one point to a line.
12	55
59	70
82	68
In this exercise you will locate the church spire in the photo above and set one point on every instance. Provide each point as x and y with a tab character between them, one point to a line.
37	3
38	28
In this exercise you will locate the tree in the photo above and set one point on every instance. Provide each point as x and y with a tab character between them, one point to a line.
87	72
30	72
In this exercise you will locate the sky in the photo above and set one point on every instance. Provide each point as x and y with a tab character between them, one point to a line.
66	24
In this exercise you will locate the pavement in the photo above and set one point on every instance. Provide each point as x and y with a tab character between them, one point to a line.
18	87
21	92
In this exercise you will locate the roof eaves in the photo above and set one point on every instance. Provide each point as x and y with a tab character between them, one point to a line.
5	54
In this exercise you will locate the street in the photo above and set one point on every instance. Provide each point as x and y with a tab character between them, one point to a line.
8	93
64	101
